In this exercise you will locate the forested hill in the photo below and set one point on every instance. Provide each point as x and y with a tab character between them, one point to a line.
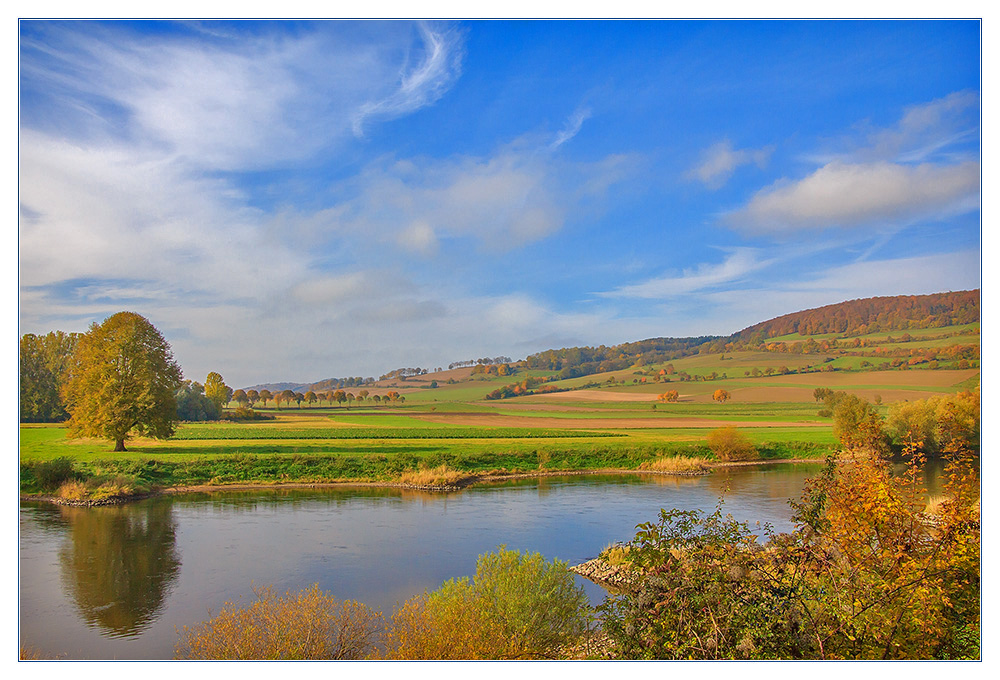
872	315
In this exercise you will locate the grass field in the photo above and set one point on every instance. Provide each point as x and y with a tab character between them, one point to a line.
613	425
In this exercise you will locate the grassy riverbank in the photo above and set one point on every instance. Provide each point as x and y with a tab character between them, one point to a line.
391	446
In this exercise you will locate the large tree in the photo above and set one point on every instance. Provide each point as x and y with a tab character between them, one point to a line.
122	381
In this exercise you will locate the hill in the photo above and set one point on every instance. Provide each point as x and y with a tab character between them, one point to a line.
798	333
872	315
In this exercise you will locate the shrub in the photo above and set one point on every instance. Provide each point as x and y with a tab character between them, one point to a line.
517	607
52	474
729	444
309	624
442	475
862	577
677	464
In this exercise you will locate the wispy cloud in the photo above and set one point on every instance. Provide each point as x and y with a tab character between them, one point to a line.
853	195
720	161
501	201
424	84
571	128
735	267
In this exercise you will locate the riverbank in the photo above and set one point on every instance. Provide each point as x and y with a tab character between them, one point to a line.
492	477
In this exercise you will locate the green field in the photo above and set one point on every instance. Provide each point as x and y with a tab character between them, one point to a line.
603	421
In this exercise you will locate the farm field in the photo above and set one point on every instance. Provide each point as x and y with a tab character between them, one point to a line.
607	427
447	420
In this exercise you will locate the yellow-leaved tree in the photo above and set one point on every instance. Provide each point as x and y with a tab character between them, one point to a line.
121	381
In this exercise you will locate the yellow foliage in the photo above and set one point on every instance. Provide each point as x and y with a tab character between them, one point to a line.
677	464
309	624
729	444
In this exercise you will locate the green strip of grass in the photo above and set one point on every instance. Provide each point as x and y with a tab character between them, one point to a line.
276	433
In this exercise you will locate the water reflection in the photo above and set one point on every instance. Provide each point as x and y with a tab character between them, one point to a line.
119	564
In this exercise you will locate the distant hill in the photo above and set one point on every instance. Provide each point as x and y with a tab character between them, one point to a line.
854	317
872	315
272	387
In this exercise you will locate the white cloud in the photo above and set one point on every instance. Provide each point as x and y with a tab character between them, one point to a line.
925	130
571	128
720	161
240	102
734	268
852	195
424	84
514	197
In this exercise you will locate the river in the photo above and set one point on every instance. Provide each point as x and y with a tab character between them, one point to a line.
118	582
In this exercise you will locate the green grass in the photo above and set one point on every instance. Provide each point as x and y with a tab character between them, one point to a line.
447	432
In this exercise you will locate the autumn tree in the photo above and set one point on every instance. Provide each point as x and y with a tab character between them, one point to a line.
340	396
310	397
669	396
266	396
253	396
721	396
217	390
240	397
122	381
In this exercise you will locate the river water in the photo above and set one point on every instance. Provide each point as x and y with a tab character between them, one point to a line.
118	582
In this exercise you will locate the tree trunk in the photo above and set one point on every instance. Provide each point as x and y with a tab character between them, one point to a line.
119	445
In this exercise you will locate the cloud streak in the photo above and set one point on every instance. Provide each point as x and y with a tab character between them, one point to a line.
721	160
423	85
733	269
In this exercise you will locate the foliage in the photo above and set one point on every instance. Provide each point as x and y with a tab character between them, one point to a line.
518	606
729	444
193	405
243	413
857	422
677	465
864	576
721	396
43	362
874	314
921	423
47	475
121	381
217	390
670	396
308	624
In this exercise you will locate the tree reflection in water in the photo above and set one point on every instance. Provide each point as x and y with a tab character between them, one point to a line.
119	564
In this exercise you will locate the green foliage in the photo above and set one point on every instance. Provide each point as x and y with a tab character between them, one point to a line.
518	606
43	362
193	405
47	475
121	381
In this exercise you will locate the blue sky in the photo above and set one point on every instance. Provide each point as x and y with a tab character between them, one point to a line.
301	200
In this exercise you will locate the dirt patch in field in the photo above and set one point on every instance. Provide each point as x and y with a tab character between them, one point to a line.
486	420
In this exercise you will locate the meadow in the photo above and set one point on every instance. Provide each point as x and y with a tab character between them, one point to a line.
604	421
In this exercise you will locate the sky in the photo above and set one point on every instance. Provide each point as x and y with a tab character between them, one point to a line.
293	201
